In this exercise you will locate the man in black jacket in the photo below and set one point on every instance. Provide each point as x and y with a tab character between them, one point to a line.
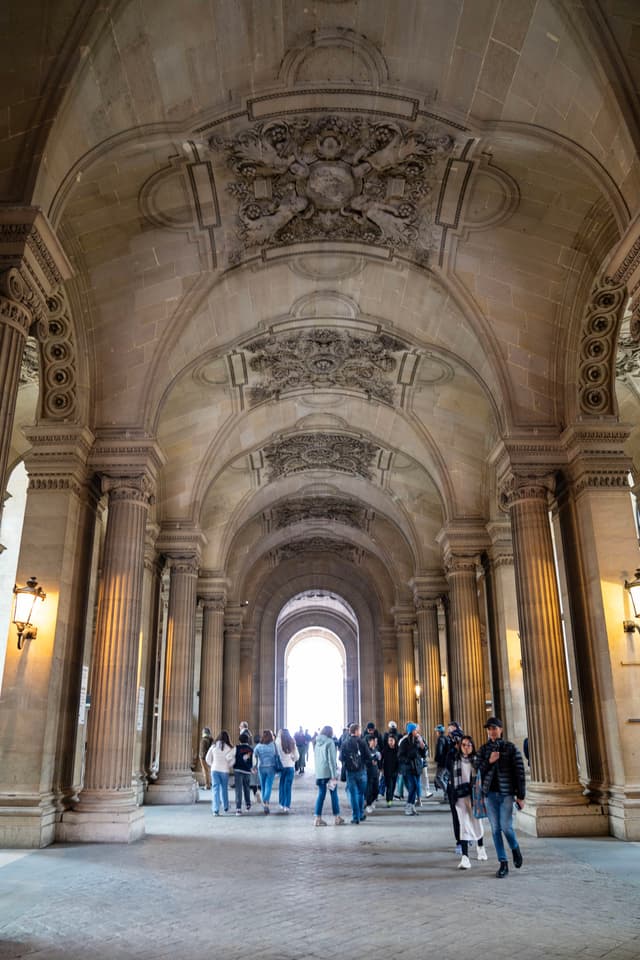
503	784
355	757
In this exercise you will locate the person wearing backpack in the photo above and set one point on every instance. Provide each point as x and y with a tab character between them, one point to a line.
355	757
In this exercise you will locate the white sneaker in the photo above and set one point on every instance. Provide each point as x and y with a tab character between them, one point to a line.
409	810
428	794
368	809
465	864
482	854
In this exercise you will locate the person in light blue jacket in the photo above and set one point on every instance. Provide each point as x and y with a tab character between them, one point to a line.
326	776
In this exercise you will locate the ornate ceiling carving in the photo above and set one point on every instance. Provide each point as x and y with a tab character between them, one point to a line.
346	551
336	178
324	357
320	508
321	451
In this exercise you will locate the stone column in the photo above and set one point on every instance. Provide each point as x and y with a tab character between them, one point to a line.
176	782
555	802
231	683
107	809
404	621
466	676
40	703
429	651
211	669
245	697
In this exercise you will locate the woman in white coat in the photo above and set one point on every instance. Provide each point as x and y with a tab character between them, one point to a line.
220	757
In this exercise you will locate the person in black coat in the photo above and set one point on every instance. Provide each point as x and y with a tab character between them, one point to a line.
411	757
390	766
503	784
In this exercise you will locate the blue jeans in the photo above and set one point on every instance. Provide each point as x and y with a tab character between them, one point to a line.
500	811
267	776
412	783
356	789
284	789
322	792
220	792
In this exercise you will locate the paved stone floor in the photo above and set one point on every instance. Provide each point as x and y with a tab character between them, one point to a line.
276	888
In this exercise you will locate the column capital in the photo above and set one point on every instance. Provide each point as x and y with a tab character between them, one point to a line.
137	489
177	540
215	602
427	588
126	453
461	563
526	483
234	618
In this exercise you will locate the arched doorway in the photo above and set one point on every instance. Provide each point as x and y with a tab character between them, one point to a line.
315	671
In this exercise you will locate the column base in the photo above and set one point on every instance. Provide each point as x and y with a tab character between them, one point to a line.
572	817
101	826
27	823
181	790
624	814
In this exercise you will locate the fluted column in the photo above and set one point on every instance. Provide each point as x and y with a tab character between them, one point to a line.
429	658
466	674
554	773
390	677
231	684
245	695
176	783
107	807
211	669
404	621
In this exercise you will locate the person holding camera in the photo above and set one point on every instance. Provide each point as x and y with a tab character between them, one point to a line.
503	785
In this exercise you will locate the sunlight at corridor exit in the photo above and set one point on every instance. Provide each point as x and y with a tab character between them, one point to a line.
315	673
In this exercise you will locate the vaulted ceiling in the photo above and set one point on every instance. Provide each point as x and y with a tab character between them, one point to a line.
328	253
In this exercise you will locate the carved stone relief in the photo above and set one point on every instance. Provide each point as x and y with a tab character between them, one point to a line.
324	358
596	371
336	178
321	451
346	551
321	508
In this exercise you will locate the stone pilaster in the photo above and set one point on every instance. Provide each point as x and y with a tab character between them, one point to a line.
429	660
245	694
40	703
555	804
390	678
211	669
404	623
598	541
231	682
176	783
466	675
504	633
107	809
147	663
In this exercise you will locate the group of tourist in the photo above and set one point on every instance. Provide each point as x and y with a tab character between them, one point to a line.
488	782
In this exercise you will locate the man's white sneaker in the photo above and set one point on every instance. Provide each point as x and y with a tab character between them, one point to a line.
465	864
368	809
482	853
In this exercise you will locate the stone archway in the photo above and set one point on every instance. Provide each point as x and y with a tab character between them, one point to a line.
315	681
337	622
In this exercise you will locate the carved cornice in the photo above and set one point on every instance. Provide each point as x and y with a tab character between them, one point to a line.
321	451
178	540
456	563
215	603
183	566
122	453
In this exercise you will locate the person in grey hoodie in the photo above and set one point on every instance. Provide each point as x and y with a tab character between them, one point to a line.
326	776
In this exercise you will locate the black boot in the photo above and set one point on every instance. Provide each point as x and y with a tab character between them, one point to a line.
517	857
502	870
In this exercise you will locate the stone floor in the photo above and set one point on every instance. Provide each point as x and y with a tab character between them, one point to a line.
276	888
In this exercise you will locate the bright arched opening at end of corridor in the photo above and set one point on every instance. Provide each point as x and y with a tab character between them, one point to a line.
315	674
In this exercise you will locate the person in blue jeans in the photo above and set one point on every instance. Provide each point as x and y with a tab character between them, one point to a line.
326	776
264	756
288	753
355	757
503	784
220	757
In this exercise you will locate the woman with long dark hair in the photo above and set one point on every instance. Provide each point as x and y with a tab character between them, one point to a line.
289	756
463	773
220	757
